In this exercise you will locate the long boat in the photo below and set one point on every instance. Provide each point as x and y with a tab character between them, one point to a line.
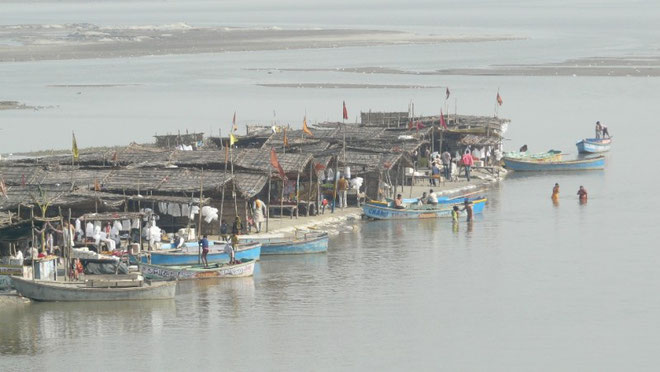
47	290
550	155
442	200
312	242
381	212
594	145
190	256
597	162
186	272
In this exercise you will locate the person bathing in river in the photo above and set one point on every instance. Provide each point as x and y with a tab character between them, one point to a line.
398	202
555	192
467	207
454	214
582	194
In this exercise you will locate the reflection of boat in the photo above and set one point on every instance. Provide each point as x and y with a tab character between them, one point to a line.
198	271
94	290
594	145
191	256
309	242
597	162
550	155
381	212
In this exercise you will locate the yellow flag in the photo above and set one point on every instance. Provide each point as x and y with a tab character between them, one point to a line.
286	140
306	128
74	147
232	139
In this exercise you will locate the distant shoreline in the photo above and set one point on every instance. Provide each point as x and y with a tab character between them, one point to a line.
84	41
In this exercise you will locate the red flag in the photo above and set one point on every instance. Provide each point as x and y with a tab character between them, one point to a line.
318	167
97	185
234	128
420	125
345	111
499	99
410	124
114	156
447	93
442	120
23	182
276	164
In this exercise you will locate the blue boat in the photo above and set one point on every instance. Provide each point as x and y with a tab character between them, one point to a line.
381	212
597	162
594	145
445	200
251	251
313	242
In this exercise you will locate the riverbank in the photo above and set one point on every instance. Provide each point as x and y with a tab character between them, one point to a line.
343	220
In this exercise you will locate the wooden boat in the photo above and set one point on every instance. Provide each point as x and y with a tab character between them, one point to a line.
190	255
443	200
594	145
550	155
186	272
425	211
311	242
93	290
597	162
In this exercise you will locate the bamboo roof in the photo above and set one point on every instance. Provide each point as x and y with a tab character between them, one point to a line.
249	184
164	180
259	160
111	216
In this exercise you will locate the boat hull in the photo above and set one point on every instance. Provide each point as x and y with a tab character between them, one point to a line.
386	213
593	145
168	258
196	272
316	244
39	290
571	165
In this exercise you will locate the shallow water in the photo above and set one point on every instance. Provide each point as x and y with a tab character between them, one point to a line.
529	285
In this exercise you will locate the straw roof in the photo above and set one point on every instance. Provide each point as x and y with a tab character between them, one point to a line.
249	184
259	160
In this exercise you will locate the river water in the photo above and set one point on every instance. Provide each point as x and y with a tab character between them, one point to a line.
528	286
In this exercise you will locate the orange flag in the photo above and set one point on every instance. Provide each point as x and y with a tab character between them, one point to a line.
276	164
286	140
499	99
306	128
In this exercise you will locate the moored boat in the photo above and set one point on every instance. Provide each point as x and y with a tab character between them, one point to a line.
550	155
594	145
381	212
238	270
47	290
594	163
190	256
311	242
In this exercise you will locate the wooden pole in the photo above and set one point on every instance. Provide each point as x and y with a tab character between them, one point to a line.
297	192
268	205
282	203
222	203
309	191
201	204
233	191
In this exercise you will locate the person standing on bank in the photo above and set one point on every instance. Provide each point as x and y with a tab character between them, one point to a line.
468	162
260	212
342	187
446	164
204	243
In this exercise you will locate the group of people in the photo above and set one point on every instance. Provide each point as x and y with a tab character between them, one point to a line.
581	193
601	130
